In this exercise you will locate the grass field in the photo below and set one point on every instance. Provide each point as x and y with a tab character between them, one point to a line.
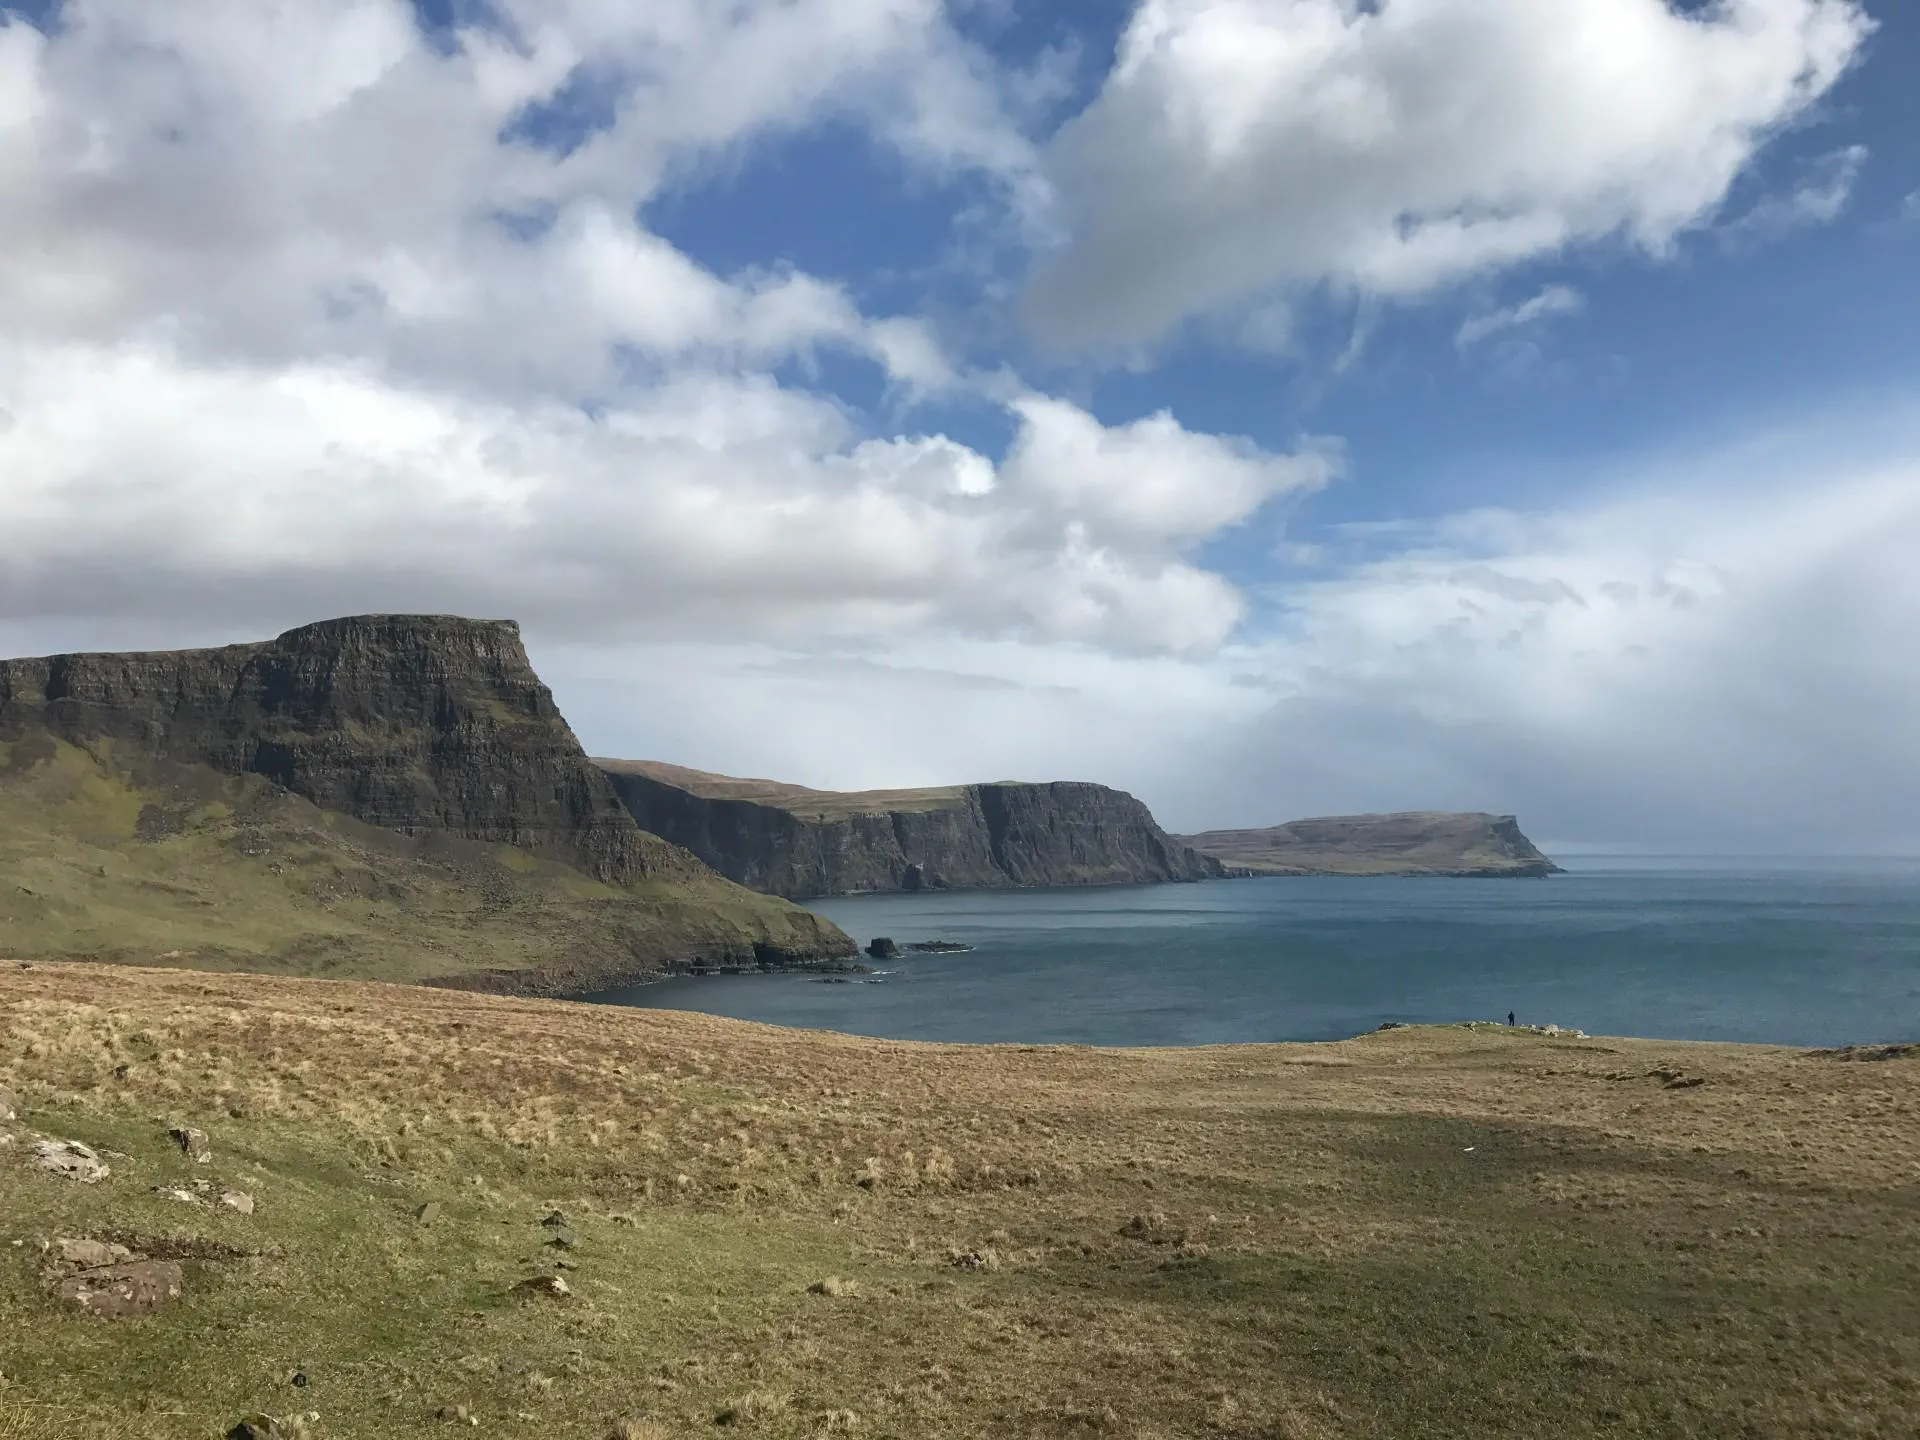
1431	1232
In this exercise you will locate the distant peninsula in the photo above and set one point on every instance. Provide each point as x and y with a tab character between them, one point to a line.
1418	842
795	842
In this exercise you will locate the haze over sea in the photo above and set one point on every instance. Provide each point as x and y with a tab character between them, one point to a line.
1793	952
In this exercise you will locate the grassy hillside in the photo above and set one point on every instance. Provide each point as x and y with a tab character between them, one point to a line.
1425	1233
186	866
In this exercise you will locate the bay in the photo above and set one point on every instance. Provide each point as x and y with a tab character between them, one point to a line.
1796	953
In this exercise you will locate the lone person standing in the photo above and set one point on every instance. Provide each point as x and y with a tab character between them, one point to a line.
1510	1019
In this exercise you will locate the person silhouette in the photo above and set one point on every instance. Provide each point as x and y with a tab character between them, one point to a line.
1509	1019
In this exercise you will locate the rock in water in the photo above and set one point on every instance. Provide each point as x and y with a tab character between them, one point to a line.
882	948
792	841
71	1159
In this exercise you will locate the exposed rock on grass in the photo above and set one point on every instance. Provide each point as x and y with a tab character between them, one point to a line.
193	1143
124	1291
71	1159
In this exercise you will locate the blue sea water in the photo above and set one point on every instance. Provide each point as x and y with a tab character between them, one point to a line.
1787	952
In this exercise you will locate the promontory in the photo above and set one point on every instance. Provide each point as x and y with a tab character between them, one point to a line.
1416	842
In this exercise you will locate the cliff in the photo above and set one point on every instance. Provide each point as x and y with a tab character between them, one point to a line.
1412	843
792	841
427	732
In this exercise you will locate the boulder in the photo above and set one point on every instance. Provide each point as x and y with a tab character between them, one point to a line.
71	1159
9	1104
553	1285
883	948
237	1200
124	1291
193	1143
90	1254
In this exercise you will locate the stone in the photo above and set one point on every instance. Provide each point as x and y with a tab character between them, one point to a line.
267	1427
124	1291
563	1239
881	947
428	1213
237	1200
174	1192
71	1159
90	1254
553	1285
9	1104
554	1220
193	1143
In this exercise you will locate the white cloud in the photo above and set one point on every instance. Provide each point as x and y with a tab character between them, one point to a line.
1553	301
301	317
711	505
1818	199
1240	146
1714	657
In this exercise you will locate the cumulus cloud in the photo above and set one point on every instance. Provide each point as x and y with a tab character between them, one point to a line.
1240	146
306	312
1706	653
713	504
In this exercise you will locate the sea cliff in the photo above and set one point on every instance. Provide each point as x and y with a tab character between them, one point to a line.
433	730
792	841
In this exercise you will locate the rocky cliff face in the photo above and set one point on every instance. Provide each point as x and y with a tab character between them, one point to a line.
425	725
1410	843
798	843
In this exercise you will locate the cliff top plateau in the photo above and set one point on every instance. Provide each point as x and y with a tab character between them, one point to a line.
391	795
798	800
1416	842
423	1213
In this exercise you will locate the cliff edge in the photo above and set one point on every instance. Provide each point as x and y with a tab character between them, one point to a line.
792	841
1420	842
418	746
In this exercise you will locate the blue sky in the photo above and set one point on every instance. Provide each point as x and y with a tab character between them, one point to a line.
1270	406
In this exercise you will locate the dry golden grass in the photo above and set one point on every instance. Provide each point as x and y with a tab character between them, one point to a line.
1437	1232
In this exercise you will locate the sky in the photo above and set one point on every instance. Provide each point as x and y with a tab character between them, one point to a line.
1269	407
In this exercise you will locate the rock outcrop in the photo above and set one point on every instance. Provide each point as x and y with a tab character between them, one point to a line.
430	727
415	723
1412	843
791	841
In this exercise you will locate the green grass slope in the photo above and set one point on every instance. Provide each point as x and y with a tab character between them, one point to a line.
181	865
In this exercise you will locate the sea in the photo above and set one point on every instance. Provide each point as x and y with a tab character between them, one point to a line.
1783	952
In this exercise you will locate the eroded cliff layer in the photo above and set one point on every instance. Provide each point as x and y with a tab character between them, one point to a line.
428	728
792	841
1418	842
